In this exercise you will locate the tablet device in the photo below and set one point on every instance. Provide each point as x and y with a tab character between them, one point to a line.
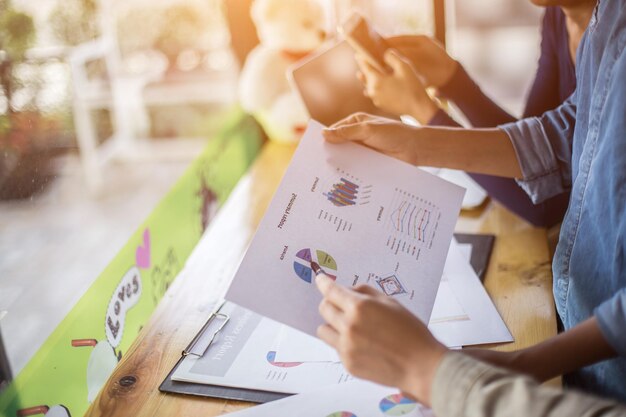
327	84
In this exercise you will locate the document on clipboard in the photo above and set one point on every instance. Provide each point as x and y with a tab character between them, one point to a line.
237	348
288	347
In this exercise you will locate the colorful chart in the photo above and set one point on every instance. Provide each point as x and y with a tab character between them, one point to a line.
397	405
345	193
413	220
342	414
271	358
302	264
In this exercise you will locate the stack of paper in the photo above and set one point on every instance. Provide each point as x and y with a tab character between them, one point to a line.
463	315
366	219
354	399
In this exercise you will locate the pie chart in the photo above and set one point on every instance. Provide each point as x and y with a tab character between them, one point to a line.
271	358
342	414
397	405
302	264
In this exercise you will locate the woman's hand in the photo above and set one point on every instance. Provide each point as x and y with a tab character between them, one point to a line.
387	136
483	151
378	339
429	59
398	92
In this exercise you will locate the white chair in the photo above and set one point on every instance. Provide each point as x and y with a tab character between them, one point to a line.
121	92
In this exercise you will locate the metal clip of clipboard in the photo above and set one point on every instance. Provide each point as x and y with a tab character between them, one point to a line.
203	340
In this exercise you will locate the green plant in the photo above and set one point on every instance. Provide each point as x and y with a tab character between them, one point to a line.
17	33
75	21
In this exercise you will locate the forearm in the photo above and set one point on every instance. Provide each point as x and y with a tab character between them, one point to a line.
442	119
478	108
482	151
576	348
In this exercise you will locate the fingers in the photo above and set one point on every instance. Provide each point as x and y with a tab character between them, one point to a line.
328	335
397	62
409	396
406	40
361	77
368	70
413	44
367	290
344	130
371	131
332	315
344	133
339	296
370	76
354	118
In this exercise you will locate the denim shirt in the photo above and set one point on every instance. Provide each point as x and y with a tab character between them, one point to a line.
582	146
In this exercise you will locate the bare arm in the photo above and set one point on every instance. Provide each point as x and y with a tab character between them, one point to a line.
482	151
578	347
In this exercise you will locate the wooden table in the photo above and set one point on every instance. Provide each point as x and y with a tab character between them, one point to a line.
519	281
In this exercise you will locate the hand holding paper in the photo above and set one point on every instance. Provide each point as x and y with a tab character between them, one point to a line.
364	217
378	339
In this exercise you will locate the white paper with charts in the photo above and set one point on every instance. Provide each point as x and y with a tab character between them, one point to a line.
354	399
364	217
463	315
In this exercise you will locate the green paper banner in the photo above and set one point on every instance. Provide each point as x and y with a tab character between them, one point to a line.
69	369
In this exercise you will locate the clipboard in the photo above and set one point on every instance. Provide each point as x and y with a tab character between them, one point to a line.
197	347
482	246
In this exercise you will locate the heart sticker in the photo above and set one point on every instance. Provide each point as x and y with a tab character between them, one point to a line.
142	254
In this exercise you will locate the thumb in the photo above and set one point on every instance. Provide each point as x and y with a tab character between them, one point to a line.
396	61
346	129
344	133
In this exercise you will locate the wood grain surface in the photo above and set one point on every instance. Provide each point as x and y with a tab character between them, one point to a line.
519	280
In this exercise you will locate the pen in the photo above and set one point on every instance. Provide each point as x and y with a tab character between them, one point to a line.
317	269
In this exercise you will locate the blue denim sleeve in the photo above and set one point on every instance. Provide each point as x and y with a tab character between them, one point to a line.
611	316
543	146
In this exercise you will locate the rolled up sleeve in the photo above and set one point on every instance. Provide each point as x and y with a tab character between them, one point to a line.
611	316
543	146
464	386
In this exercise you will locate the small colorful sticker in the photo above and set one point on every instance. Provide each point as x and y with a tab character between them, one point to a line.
142	253
391	285
126	295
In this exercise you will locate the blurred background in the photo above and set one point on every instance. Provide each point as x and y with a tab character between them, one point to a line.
104	103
